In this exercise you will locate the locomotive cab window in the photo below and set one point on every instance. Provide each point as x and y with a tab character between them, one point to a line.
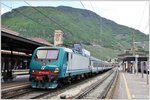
47	54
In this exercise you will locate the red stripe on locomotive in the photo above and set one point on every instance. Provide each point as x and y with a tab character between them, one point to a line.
44	72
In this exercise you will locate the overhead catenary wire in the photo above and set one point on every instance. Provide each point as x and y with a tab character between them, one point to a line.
82	4
24	15
51	18
11	3
146	26
84	7
92	6
42	13
94	11
48	17
79	28
140	22
100	19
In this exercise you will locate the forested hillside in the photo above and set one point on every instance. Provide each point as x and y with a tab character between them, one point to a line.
78	25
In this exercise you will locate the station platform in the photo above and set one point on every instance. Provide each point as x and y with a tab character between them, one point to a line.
17	79
131	86
21	81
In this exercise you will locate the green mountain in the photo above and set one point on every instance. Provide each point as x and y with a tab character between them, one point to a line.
78	25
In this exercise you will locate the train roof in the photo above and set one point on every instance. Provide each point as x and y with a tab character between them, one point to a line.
71	51
93	58
66	49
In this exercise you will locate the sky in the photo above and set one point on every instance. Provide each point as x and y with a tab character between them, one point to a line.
134	14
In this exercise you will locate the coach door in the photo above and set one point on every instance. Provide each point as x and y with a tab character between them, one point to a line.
69	62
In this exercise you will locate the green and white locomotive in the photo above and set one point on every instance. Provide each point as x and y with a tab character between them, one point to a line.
53	66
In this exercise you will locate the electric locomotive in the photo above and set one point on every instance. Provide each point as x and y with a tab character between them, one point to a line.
50	65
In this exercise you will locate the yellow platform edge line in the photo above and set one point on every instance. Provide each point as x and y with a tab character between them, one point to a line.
127	89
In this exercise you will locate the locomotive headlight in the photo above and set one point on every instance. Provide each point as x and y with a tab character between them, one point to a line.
56	70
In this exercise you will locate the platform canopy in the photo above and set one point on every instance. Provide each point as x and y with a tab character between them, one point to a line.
131	57
10	40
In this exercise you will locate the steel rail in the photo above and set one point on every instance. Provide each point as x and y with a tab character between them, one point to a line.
11	86
108	87
15	93
60	90
112	88
93	86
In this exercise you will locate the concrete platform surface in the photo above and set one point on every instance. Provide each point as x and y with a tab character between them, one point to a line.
18	78
131	86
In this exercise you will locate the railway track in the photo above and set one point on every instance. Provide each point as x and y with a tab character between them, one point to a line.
8	94
45	94
99	89
24	92
8	86
72	89
29	93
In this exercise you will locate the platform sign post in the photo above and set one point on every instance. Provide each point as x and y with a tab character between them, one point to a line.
136	63
126	66
58	37
147	66
132	67
142	68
